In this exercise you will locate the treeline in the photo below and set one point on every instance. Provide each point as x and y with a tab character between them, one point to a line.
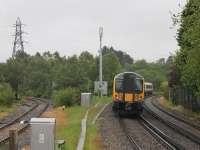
185	71
50	75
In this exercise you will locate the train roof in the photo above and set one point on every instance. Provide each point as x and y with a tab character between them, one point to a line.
136	74
148	83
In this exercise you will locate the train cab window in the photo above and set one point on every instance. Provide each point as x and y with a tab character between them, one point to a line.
119	85
138	86
128	84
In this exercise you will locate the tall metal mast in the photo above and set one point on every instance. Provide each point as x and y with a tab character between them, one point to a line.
100	59
18	42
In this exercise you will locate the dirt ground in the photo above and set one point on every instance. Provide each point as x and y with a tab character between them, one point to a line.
59	114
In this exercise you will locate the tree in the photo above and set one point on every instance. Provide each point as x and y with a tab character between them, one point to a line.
161	61
38	81
152	72
87	64
187	58
6	94
111	66
123	57
15	74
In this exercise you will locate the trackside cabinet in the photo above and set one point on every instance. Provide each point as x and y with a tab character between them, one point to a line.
43	133
85	99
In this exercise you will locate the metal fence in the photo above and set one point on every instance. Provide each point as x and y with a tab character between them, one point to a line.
184	97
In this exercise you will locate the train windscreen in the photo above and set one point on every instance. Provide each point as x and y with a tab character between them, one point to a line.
129	83
138	86
119	85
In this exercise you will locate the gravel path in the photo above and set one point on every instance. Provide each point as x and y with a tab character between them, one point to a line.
112	135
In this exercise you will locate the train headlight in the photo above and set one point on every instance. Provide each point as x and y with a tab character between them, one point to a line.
116	97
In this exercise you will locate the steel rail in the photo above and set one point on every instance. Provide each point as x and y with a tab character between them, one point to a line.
158	134
130	138
174	116
6	138
16	119
173	126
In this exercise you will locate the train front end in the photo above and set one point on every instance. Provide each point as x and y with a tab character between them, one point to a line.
128	93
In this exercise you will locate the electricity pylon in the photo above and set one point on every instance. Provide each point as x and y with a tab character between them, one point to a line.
18	45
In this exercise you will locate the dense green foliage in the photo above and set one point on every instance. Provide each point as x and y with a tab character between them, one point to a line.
164	88
6	94
155	72
50	75
186	68
111	67
123	57
67	97
152	72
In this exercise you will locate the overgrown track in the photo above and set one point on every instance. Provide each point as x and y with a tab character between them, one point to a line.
40	105
5	124
177	125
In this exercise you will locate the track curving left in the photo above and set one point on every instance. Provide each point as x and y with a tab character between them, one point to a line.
39	106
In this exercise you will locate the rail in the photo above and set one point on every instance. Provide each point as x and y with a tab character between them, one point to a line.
166	140
182	131
5	139
130	138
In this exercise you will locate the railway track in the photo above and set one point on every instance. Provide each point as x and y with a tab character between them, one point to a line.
5	124
175	116
173	127
129	137
144	132
39	107
159	137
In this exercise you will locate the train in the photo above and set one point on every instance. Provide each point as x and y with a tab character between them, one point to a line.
128	93
148	89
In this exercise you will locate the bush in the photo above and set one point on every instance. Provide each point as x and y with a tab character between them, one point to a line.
67	97
6	94
164	88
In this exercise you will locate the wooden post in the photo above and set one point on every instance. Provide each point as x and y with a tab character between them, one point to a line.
13	143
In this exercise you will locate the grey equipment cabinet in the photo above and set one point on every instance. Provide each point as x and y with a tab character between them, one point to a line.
85	99
43	133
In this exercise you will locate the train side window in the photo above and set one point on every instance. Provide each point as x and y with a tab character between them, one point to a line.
138	85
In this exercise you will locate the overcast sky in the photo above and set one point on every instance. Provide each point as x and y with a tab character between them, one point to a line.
139	27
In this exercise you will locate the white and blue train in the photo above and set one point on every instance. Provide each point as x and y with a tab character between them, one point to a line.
148	89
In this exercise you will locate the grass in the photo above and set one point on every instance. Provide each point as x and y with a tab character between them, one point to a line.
168	104
93	140
71	131
68	124
5	110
